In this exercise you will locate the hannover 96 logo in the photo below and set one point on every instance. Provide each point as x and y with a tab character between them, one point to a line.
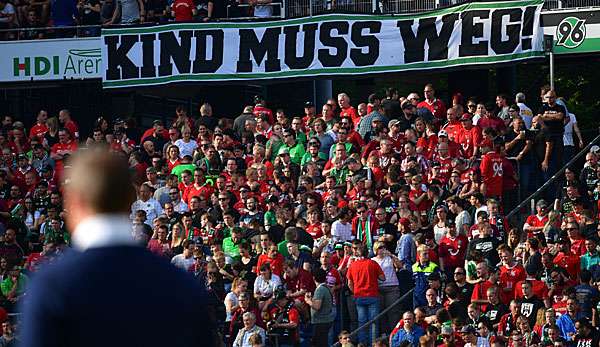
570	33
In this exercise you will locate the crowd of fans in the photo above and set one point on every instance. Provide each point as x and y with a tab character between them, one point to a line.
305	227
62	15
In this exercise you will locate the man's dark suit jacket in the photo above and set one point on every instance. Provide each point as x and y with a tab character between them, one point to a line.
115	296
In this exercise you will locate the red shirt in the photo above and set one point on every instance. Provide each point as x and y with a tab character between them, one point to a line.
350	112
492	122
535	221
303	280
480	292
453	129
314	230
276	263
508	279
72	128
468	139
364	274
569	262
437	107
204	191
63	148
492	173
38	130
453	251
183	10
540	290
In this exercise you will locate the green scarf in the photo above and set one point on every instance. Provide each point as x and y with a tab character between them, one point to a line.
365	233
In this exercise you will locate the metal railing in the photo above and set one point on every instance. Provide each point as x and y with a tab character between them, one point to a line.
245	11
18	34
293	9
374	320
558	175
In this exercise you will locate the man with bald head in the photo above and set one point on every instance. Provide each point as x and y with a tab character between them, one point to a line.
108	280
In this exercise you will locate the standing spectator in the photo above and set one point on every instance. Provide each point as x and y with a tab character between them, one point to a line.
524	111
129	12
183	10
390	288
7	16
321	309
363	276
421	270
553	118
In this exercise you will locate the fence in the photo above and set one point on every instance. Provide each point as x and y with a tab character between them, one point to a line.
555	178
292	9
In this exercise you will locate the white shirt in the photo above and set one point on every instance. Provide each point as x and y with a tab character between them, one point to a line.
152	208
103	230
341	232
263	11
181	207
7	10
182	262
525	113
186	148
266	288
387	266
568	138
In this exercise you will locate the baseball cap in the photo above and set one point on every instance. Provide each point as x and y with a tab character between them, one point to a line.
407	104
393	122
21	156
283	151
467	329
466	116
447	330
541	203
338	246
594	149
309	104
442	133
157	122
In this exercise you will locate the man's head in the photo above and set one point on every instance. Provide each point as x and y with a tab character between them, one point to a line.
409	319
99	183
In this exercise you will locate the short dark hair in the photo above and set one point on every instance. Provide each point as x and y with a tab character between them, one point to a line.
320	275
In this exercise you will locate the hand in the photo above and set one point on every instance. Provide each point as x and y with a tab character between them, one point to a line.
545	165
205	19
580	144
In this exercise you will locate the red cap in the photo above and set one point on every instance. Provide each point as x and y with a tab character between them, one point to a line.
466	116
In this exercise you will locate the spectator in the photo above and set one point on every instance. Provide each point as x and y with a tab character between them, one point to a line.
363	276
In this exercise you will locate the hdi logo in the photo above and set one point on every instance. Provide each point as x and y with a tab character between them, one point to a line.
41	66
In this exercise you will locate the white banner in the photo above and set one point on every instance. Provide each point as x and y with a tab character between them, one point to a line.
50	59
474	33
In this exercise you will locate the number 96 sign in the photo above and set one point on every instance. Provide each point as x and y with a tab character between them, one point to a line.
570	32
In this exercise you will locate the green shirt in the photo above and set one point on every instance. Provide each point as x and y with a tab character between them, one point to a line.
306	157
275	146
270	219
282	247
231	249
7	284
324	314
589	260
179	169
296	153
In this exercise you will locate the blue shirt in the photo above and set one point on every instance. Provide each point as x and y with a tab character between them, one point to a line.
566	324
403	335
